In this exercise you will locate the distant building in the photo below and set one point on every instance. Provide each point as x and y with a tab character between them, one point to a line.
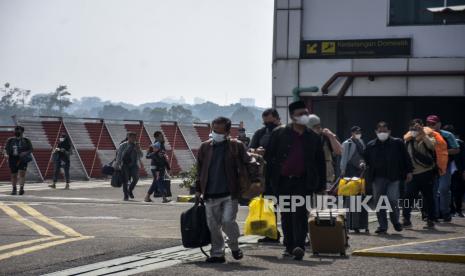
372	60
247	101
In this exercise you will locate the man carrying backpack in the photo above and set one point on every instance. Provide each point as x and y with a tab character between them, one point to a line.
352	154
18	151
218	183
421	150
442	190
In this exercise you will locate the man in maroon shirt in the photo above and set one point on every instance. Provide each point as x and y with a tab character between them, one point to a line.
295	167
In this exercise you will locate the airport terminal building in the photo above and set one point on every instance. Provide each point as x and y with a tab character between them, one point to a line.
371	60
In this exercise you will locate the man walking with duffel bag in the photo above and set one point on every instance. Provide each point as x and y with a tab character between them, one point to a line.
218	183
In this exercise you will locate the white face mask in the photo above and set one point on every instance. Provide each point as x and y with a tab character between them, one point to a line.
302	120
358	136
414	133
218	138
62	139
383	136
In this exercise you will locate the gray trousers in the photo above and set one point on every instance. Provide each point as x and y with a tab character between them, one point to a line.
385	187
221	216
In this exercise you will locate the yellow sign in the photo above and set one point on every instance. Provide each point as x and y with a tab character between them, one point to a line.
311	48
328	47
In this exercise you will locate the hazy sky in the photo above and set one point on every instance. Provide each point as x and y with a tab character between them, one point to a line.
139	50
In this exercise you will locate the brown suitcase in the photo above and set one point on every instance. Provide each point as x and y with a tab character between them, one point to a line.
328	234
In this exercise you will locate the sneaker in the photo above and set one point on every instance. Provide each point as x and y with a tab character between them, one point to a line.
460	214
237	254
398	227
166	200
125	198
298	253
131	195
21	191
67	186
380	231
407	224
14	191
215	260
53	186
448	219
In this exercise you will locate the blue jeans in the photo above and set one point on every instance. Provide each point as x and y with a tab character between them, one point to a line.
442	195
386	187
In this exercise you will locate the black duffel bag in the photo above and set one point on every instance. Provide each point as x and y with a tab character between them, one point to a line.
194	228
117	179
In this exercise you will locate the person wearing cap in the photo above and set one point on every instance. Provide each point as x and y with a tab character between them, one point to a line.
18	150
352	154
388	163
158	166
442	187
295	166
331	145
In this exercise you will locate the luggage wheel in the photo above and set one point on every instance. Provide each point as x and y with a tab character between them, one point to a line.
343	254
367	230
316	254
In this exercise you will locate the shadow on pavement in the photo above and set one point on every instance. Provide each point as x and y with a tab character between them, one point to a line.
229	267
431	231
396	237
273	259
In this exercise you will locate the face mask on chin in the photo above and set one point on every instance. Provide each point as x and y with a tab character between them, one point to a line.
383	136
218	138
302	120
358	136
62	139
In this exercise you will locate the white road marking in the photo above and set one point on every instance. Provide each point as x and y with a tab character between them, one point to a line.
144	262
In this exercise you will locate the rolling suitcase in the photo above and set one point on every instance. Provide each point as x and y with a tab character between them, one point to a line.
328	234
356	221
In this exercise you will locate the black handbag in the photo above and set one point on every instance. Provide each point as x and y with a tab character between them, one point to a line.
116	179
167	186
194	228
108	169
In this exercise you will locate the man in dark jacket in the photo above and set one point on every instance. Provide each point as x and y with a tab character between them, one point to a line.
260	141
388	163
18	150
261	137
61	159
127	160
218	183
296	167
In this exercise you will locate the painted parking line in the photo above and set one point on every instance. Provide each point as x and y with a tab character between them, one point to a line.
408	251
40	247
70	235
39	229
63	228
144	262
24	243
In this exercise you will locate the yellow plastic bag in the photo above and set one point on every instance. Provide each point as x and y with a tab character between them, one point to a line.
261	220
351	186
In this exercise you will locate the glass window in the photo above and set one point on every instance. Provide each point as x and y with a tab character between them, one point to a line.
414	12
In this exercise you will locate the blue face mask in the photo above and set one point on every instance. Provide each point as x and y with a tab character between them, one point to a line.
218	138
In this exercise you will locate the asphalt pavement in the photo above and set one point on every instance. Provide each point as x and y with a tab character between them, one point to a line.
90	227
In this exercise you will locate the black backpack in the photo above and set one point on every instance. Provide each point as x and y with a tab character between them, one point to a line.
194	228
